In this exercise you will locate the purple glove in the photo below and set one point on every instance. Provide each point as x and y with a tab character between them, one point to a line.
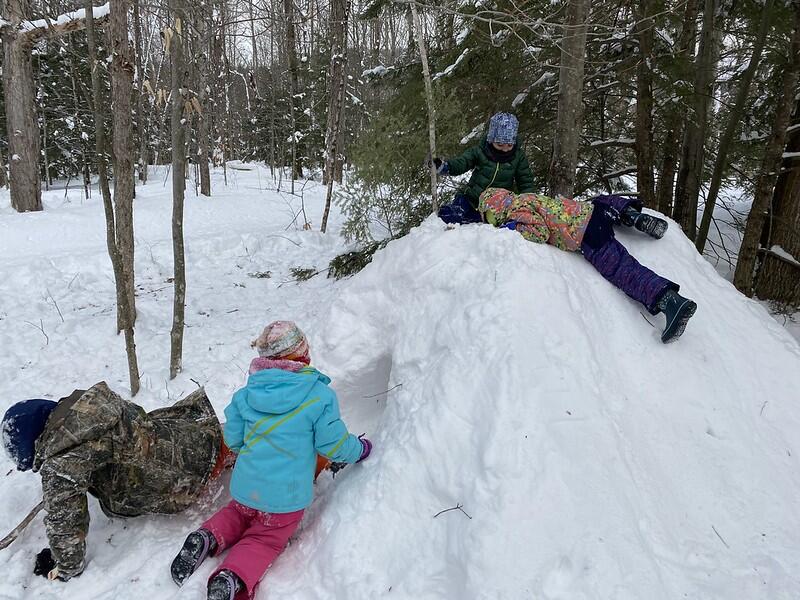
366	447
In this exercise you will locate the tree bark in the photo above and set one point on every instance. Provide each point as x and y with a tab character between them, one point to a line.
124	321
734	119
644	104
122	69
141	118
20	104
570	100
693	154
3	172
254	45
747	264
779	279
178	186
291	54
340	12
201	64
674	113
426	74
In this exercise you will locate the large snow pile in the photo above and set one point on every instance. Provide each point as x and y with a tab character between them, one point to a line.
594	461
495	375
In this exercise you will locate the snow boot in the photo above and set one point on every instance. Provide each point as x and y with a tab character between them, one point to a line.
224	586
678	311
195	549
652	226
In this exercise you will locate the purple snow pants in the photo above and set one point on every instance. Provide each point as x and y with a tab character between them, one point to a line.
612	260
255	539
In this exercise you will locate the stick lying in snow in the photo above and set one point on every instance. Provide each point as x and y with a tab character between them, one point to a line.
21	527
456	507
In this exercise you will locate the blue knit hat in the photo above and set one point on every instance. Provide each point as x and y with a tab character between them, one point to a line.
503	129
23	423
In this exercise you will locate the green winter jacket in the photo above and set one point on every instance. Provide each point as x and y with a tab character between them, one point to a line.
514	175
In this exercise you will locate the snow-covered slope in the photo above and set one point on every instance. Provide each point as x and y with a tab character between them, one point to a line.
594	461
589	460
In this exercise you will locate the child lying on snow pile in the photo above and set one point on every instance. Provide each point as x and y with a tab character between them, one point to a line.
585	227
276	424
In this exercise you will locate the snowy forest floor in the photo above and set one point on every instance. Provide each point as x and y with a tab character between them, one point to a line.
505	377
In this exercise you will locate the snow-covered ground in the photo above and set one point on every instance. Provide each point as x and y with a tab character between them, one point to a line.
506	378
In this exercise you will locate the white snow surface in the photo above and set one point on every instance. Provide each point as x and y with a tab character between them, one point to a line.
504	377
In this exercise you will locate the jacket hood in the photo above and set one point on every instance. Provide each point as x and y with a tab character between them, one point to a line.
275	391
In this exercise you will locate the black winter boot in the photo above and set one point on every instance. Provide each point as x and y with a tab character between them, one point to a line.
195	549
652	226
678	311
224	586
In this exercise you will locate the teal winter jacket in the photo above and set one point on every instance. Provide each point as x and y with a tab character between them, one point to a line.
277	424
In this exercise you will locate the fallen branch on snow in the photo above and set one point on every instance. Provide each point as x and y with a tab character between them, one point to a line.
6	541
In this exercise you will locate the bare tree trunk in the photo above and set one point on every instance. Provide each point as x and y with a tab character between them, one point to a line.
121	92
734	119
570	100
140	77
779	277
218	155
254	46
674	117
426	74
201	63
291	53
124	321
340	11
45	159
20	104
746	266
644	104
692	157
3	172
178	188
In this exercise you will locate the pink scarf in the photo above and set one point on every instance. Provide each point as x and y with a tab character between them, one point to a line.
260	363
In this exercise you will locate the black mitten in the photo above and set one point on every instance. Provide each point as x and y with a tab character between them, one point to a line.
44	563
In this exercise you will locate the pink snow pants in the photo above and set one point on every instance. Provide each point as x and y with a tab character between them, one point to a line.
255	540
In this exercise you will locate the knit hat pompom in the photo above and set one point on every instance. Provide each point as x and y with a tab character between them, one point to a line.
23	423
503	129
282	339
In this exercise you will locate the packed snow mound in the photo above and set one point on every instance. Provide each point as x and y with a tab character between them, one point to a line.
504	377
589	460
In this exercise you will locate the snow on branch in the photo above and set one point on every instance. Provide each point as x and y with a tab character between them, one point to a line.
624	142
620	173
452	67
66	23
781	254
476	131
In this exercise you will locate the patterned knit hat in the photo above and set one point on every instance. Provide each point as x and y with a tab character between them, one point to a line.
503	129
23	423
283	339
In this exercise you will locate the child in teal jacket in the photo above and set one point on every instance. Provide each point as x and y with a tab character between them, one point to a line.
276	424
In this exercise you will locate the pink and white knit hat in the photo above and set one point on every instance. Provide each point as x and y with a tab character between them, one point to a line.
282	339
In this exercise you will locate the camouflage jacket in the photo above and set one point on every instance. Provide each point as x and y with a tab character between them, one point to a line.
133	462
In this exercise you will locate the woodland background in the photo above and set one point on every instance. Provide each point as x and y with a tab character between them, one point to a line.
685	103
